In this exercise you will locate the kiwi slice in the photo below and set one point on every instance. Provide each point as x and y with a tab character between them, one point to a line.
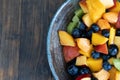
71	26
79	13
75	19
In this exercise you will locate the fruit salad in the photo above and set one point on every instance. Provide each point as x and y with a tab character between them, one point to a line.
91	41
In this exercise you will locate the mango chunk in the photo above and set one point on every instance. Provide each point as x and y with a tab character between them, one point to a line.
94	64
66	39
95	9
112	35
112	73
103	24
98	39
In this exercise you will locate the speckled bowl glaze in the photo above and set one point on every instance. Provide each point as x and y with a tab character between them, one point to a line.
54	49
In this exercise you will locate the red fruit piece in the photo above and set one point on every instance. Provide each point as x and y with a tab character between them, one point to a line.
83	76
102	48
118	21
70	53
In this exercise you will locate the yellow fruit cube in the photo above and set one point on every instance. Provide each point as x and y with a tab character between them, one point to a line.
66	39
95	9
111	17
103	24
112	73
117	77
87	20
117	42
81	60
83	44
94	64
98	39
102	75
111	60
112	35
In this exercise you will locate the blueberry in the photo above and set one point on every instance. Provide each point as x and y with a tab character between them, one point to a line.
113	50
105	57
95	54
84	34
95	27
82	26
76	33
118	32
72	62
84	70
89	33
72	70
106	65
105	33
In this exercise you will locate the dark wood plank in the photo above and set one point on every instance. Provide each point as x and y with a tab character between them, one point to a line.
23	30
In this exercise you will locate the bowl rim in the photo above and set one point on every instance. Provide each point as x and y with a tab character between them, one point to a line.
49	56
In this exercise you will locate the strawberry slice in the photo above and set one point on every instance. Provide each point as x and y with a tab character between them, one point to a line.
118	22
70	53
102	48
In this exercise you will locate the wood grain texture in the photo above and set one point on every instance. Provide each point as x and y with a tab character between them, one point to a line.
23	30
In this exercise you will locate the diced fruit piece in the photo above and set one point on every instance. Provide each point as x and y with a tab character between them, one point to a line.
113	73
84	70
118	22
118	32
66	39
105	57
82	27
75	19
116	63
76	33
81	60
103	24
112	35
117	77
105	33
87	20
70	53
87	54
107	3
113	50
117	42
116	8
84	77
106	65
102	48
95	27
83	5
97	64
79	13
111	17
95	55
95	9
98	39
111	60
86	47
71	27
72	70
102	75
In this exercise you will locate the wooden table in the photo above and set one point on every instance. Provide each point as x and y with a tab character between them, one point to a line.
24	26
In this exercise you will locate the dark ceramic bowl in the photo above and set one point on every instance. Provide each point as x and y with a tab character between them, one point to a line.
54	49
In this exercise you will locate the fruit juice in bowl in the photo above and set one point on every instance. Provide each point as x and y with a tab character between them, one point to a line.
91	41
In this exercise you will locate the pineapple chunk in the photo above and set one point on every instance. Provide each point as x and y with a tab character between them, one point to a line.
112	35
117	42
95	9
98	39
81	60
66	39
